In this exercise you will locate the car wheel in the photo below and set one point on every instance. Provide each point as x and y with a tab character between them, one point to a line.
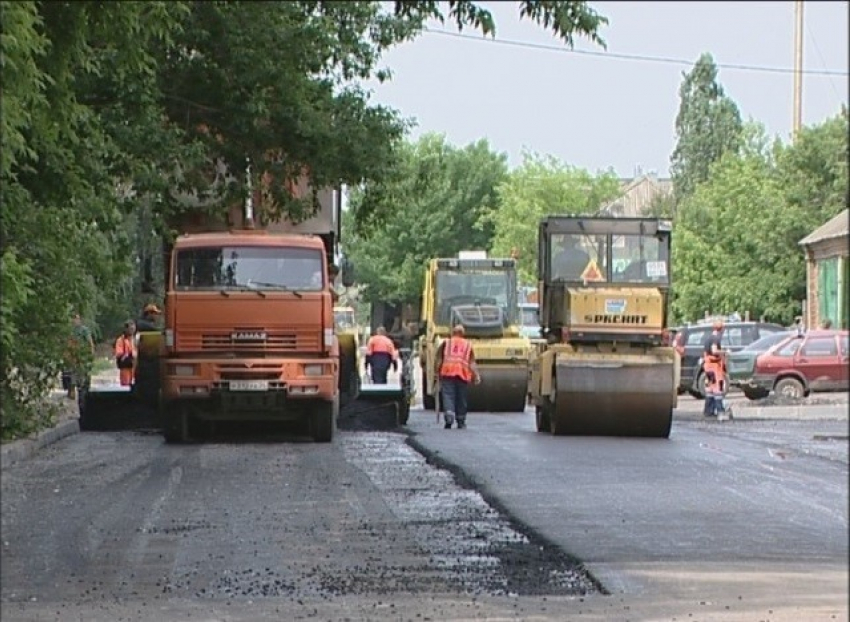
699	386
789	387
755	394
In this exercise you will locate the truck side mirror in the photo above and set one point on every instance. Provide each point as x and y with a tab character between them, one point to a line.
347	270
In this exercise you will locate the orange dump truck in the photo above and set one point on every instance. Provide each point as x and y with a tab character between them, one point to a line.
249	332
249	323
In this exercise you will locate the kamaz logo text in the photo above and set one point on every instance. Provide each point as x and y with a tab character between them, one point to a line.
615	319
248	336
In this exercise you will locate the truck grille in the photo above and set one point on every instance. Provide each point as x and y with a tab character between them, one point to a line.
242	371
270	342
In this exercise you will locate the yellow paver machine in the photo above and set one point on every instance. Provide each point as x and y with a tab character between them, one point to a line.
607	368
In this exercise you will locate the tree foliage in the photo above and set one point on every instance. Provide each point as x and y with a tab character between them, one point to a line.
543	186
708	125
437	195
113	112
736	242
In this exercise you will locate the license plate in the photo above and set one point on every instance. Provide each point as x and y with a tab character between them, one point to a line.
249	385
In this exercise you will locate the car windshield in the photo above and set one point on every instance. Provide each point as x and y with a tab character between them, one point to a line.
765	343
530	316
249	267
476	286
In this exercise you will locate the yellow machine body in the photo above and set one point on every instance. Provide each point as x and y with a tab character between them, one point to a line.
607	368
481	294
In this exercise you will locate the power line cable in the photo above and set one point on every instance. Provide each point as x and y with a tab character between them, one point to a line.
632	57
823	62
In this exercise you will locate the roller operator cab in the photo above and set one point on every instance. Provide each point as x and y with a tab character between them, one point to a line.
481	294
249	332
607	367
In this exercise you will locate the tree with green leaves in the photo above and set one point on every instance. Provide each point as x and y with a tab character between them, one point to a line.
434	200
111	111
708	125
736	242
540	186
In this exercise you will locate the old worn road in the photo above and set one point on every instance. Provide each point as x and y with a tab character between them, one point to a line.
741	521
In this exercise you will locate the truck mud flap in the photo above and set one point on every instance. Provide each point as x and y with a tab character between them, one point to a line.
111	409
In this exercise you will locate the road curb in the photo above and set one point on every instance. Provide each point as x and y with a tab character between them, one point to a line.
24	448
824	411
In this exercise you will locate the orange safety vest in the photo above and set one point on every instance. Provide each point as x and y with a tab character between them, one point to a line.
380	344
716	364
124	345
457	357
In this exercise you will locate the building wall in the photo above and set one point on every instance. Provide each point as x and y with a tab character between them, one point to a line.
816	254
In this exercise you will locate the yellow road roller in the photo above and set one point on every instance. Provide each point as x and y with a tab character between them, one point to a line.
481	294
607	367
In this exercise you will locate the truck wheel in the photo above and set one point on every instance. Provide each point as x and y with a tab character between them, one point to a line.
790	387
428	401
542	416
403	412
175	424
322	422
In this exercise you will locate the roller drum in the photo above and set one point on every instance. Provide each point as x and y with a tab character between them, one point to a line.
502	389
632	396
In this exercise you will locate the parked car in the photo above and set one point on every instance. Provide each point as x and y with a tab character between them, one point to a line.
801	364
529	314
741	365
736	336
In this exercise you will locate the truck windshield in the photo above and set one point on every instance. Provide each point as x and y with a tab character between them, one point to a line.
470	287
640	259
576	257
252	267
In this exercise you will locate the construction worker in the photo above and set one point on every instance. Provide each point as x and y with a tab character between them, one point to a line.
380	355
148	321
571	261
714	367
126	354
456	362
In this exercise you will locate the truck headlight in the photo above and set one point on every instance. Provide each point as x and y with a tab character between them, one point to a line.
183	370
313	369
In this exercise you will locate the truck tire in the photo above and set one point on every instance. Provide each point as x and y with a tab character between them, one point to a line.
322	423
175	424
403	412
428	401
542	417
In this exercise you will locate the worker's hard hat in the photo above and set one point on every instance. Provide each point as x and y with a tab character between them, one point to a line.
152	309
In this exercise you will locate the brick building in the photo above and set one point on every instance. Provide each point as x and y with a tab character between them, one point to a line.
828	272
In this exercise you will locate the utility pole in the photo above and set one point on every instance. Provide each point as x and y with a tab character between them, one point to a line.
798	69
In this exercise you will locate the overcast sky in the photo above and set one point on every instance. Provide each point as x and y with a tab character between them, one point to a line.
598	112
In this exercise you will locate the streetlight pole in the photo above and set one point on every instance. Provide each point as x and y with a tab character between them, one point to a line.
798	69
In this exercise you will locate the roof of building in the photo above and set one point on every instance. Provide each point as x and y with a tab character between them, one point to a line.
835	228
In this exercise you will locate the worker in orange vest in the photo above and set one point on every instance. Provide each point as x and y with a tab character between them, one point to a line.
456	362
714	366
126	354
380	355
